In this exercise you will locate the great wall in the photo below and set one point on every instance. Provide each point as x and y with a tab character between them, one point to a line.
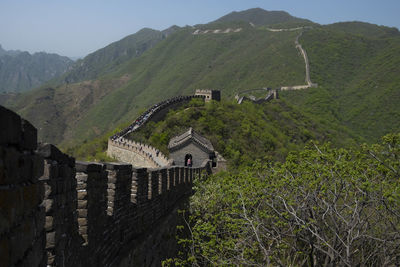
55	211
144	155
307	65
271	93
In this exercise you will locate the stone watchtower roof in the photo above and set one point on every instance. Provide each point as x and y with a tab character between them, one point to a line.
190	136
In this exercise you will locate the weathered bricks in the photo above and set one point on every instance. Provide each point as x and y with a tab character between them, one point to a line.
11	132
21	217
58	212
60	205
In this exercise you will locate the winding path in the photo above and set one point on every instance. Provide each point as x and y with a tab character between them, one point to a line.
303	52
306	62
137	151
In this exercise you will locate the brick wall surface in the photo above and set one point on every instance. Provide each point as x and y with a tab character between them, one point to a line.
58	212
22	217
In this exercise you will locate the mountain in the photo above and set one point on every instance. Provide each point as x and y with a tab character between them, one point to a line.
261	17
364	29
21	71
357	75
8	52
107	59
177	65
357	68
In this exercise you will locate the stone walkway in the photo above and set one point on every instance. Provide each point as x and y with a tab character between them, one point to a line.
152	154
304	54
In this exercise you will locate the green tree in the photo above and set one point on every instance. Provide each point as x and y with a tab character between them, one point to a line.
322	207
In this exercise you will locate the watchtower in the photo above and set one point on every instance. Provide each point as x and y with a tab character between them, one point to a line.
209	94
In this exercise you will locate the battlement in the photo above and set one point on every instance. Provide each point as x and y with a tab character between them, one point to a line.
143	155
58	212
136	153
209	94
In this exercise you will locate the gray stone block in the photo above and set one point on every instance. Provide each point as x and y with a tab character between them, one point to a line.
21	240
11	130
49	151
12	166
49	223
35	255
29	136
50	240
118	166
82	195
37	168
82	166
50	170
82	221
82	213
48	205
138	171
82	204
5	257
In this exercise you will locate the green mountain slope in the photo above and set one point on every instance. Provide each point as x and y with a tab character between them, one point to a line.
364	29
252	58
355	65
358	75
246	132
241	133
249	59
108	59
260	17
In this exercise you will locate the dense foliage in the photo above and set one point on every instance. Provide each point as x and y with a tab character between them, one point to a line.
322	207
356	66
243	133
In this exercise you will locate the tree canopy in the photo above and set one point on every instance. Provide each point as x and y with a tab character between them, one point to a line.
324	206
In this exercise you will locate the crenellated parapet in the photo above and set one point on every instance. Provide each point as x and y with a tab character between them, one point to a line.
60	202
144	155
22	215
136	153
58	212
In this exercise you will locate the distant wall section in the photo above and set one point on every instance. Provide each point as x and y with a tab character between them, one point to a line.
131	154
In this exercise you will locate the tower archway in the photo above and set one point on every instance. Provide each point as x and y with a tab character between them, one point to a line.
188	160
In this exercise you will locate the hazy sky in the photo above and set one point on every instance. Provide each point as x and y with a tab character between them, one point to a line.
78	27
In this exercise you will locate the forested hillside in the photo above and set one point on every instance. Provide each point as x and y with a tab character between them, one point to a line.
355	65
177	65
240	133
358	77
108	59
321	207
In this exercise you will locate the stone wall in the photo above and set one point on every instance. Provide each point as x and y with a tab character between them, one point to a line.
198	155
125	152
22	217
143	155
60	203
209	94
160	115
58	212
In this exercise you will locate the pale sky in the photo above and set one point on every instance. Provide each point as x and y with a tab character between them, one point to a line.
78	27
